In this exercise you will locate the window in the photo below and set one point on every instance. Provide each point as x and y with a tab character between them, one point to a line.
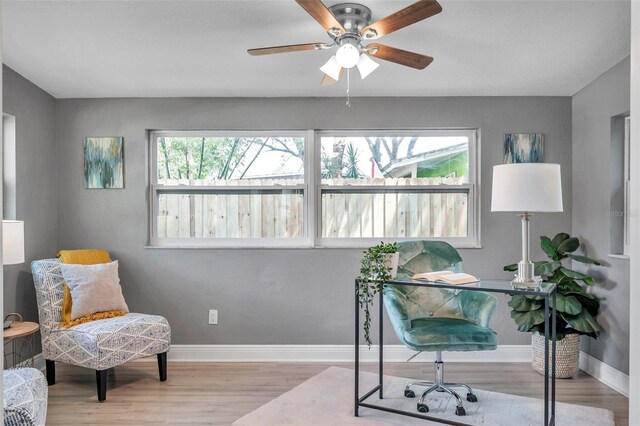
9	166
619	187
216	188
627	185
397	185
315	188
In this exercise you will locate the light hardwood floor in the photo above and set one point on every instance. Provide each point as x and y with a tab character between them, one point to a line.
220	393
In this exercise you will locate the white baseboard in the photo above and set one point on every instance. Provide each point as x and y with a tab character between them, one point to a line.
333	353
608	375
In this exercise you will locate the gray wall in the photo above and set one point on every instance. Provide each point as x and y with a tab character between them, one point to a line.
36	185
264	296
592	109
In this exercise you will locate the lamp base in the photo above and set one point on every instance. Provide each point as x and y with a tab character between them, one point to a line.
525	277
526	283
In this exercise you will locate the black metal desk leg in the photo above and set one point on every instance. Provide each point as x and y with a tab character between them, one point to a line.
357	354
546	361
380	343
553	358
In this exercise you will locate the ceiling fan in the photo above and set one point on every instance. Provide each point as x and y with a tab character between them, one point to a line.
349	26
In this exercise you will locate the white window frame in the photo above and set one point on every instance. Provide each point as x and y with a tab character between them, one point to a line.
9	171
312	191
156	189
627	185
472	240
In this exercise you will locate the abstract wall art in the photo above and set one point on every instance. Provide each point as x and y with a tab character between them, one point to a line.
103	163
523	148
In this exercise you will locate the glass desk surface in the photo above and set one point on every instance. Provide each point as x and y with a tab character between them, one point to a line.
489	285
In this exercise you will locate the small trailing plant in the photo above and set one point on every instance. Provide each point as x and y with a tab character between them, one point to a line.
375	269
576	308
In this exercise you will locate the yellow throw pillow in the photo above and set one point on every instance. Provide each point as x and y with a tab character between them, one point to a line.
83	257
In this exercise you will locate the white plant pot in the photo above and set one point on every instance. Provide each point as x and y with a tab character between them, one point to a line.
391	261
567	355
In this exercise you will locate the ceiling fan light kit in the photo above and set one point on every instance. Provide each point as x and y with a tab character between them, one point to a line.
332	68
348	25
366	66
347	55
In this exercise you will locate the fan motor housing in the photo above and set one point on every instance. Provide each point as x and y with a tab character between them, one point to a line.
352	16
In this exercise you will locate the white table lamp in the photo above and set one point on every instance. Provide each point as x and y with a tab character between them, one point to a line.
526	188
12	242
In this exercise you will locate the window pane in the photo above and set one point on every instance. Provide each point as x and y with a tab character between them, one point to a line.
244	160
421	160
243	215
353	215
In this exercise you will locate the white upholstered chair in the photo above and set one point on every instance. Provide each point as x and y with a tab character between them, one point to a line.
98	345
24	397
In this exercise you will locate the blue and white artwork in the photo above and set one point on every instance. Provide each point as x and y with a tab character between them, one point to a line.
103	163
523	148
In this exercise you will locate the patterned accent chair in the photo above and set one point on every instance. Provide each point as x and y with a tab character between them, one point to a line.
25	397
99	345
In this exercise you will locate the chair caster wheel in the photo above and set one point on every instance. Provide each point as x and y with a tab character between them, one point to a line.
472	398
460	411
423	408
408	393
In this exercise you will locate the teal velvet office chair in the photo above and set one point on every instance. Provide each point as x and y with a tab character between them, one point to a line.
437	320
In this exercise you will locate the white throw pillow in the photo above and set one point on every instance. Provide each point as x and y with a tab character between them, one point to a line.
94	288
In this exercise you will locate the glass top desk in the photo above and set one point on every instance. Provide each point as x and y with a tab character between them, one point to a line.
547	291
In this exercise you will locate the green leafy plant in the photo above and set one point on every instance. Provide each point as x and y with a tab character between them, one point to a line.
576	308
374	271
352	171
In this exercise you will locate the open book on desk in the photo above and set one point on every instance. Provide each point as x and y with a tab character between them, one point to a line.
447	277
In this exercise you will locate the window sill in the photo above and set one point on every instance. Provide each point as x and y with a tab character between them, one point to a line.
283	247
619	256
241	247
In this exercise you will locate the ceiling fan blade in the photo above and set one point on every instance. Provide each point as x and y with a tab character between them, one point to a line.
399	56
320	13
286	49
402	18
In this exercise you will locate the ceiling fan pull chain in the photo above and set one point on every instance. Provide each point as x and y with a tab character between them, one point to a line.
348	87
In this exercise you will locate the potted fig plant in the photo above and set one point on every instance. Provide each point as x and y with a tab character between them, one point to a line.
576	308
379	264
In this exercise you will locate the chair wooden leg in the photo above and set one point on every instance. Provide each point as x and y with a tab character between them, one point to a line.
101	381
162	366
51	372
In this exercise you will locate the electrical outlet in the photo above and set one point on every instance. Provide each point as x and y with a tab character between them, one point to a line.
213	316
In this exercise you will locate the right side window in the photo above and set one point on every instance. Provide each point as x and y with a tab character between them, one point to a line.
397	184
627	184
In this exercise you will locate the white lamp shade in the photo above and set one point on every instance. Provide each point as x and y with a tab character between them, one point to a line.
12	242
366	66
526	187
332	68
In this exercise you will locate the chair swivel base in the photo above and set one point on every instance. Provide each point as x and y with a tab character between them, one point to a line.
440	386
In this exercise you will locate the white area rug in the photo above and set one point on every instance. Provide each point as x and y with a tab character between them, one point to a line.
327	399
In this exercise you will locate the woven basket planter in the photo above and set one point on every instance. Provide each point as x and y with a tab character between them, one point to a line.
567	355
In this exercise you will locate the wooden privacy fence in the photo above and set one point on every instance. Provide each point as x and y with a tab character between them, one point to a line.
280	214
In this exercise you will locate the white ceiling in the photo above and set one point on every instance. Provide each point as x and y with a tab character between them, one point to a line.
198	48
